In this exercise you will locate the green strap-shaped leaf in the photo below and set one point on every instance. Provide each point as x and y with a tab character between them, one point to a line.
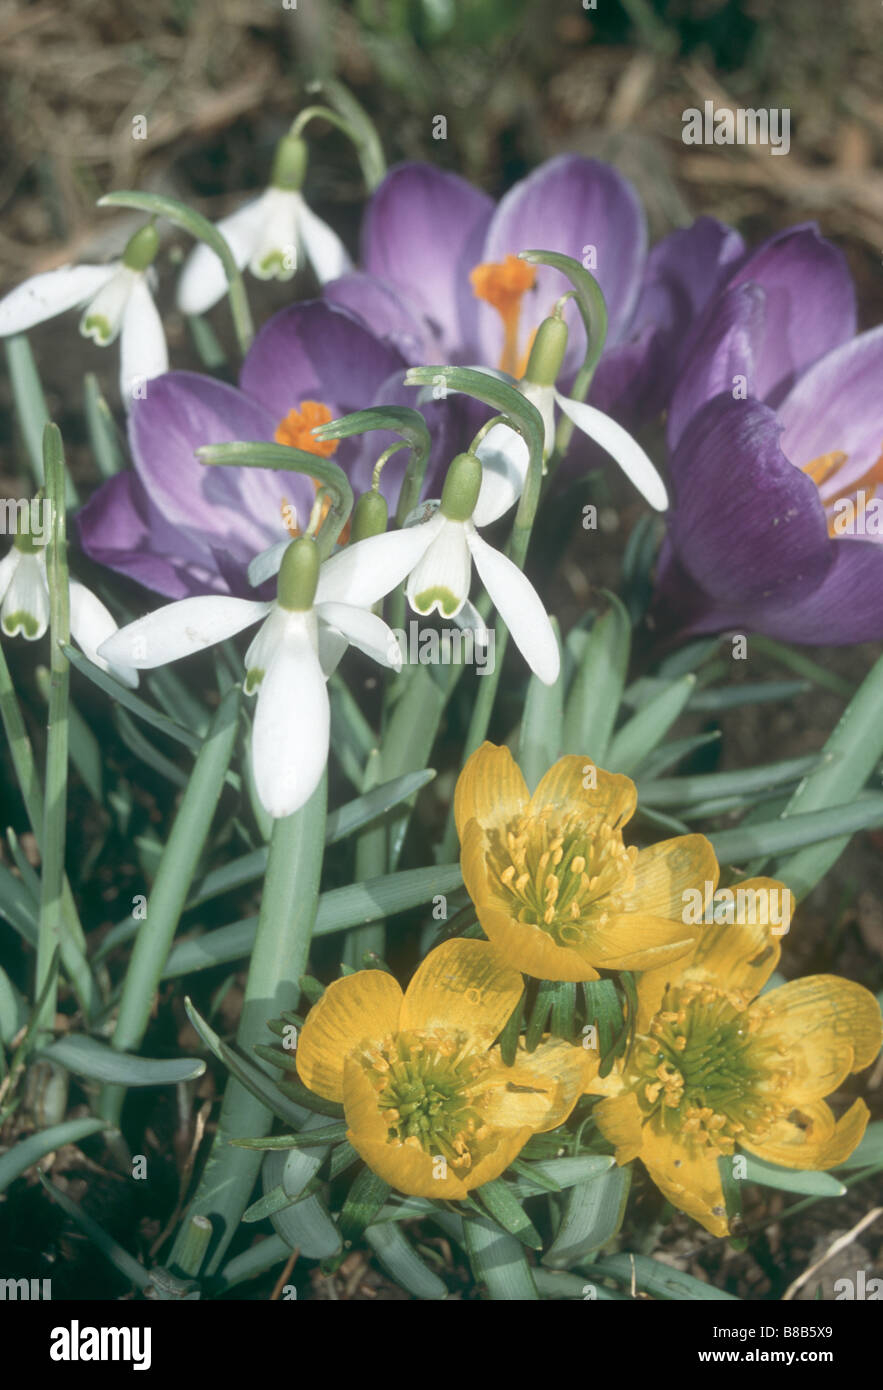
647	728
594	698
498	1261
402	1263
95	1060
592	1216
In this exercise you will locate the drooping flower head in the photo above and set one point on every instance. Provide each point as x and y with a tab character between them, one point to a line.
430	1106
716	1064
116	301
302	637
554	885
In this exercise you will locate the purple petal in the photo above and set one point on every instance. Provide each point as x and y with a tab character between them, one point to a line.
568	205
388	314
809	305
844	608
237	509
121	528
746	524
725	350
684	270
423	232
838	405
314	351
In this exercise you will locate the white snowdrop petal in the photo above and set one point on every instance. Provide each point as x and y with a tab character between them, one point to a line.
520	607
292	721
102	318
504	460
25	608
364	630
268	563
8	566
274	253
179	629
324	249
92	624
203	280
441	578
620	445
370	569
143	351
53	292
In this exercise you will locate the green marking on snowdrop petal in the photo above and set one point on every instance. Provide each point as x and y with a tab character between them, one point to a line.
447	601
97	327
253	679
21	622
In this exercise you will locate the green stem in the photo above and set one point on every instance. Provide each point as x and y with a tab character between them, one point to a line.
279	959
55	802
170	889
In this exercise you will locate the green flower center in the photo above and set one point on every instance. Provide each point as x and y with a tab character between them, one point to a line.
560	874
428	1088
705	1072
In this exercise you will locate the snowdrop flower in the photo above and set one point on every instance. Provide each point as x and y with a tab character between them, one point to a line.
301	639
435	552
268	234
504	453
24	605
117	303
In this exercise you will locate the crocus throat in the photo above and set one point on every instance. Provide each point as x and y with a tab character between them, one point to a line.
503	284
296	430
826	466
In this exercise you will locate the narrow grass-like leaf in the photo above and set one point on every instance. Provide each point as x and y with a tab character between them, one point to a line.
103	439
558	1174
647	728
31	409
306	1226
659	1280
592	1216
559	1285
27	1152
364	1200
805	828
402	1263
539	736
791	1179
88	1057
180	857
498	1261
593	702
851	754
126	1264
683	791
504	1206
131	701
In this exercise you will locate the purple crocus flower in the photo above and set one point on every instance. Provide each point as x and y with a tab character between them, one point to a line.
776	443
181	528
439	281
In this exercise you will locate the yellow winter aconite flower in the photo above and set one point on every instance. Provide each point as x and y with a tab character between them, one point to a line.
429	1103
714	1066
555	887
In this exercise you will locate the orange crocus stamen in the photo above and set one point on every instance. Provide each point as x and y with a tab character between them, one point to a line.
502	284
296	430
862	490
821	468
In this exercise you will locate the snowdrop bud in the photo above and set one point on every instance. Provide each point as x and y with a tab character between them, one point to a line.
461	489
299	575
289	164
547	353
370	516
141	249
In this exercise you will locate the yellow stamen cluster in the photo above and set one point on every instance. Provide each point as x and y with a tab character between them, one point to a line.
704	1072
296	430
428	1085
560	876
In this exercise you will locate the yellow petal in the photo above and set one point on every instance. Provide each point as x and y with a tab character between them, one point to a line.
637	941
489	789
688	1176
530	949
666	872
359	1008
611	801
556	1070
740	958
828	1026
810	1138
620	1120
463	985
411	1169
